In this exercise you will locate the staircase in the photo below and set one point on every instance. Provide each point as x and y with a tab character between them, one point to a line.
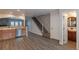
37	23
42	28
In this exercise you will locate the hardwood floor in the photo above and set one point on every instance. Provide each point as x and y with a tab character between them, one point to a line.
71	44
33	42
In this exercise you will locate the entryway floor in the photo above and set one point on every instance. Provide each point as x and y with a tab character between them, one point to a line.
71	44
33	42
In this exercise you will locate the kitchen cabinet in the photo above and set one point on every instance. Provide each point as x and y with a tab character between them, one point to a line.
16	22
7	33
11	22
4	22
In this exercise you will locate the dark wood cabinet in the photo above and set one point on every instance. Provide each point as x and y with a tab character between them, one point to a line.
72	35
7	21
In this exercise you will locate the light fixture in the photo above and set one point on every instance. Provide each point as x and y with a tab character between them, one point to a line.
11	12
23	14
18	10
72	14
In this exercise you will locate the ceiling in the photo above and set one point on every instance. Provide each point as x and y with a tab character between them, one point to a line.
27	12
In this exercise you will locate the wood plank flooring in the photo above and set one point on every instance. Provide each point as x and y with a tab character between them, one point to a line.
33	42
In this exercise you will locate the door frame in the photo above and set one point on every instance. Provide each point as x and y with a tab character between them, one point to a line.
66	33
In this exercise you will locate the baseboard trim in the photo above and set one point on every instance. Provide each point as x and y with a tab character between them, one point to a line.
35	33
60	42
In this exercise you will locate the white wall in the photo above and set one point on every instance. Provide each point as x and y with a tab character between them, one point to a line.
45	20
65	29
34	28
77	44
55	25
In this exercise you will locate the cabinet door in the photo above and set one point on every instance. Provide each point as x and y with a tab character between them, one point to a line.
16	23
71	35
4	21
12	23
74	36
20	23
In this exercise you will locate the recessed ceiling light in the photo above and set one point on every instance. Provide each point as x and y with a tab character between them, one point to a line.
11	12
18	9
23	14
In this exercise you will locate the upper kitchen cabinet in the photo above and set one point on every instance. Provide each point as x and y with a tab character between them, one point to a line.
15	22
4	22
11	22
18	22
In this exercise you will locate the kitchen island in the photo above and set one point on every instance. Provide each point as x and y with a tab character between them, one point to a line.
7	33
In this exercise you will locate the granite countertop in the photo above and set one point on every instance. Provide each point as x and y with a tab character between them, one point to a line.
7	28
72	29
10	27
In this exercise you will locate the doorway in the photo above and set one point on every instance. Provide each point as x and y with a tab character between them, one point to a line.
70	29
